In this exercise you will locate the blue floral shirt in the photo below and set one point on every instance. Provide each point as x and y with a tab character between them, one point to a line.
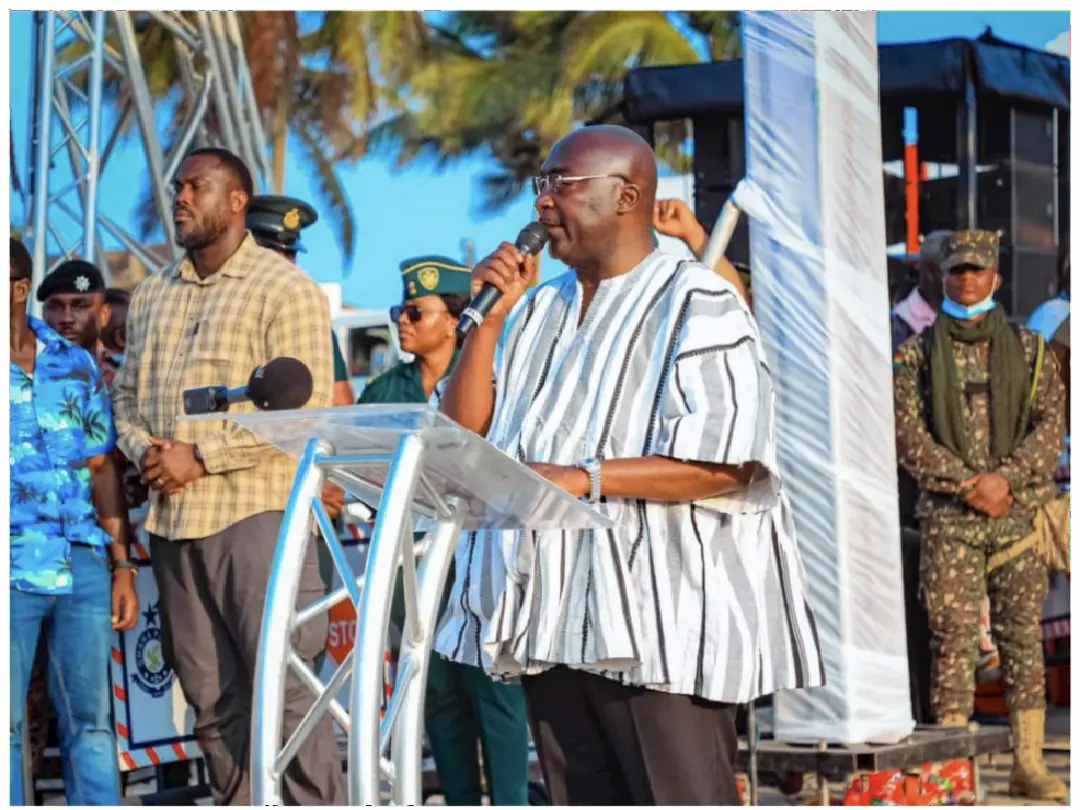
60	418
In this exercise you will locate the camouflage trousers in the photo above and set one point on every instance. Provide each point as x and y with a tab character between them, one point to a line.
954	581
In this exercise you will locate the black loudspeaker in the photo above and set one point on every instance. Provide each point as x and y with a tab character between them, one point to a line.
719	164
1019	196
1021	189
1029	277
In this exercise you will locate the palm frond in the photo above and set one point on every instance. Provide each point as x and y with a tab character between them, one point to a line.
605	44
334	200
723	30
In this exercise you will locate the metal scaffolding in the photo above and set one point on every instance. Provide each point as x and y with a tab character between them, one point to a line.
75	54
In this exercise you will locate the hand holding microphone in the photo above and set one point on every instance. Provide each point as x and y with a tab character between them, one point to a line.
500	280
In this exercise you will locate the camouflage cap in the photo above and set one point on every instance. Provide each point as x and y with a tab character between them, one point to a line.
974	248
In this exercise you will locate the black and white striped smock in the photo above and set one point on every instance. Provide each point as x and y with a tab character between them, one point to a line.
704	598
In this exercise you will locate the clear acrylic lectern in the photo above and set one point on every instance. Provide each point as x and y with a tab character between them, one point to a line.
406	462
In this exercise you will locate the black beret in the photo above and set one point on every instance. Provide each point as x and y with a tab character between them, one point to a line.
73	277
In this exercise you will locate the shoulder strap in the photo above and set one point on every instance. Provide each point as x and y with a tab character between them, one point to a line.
1040	352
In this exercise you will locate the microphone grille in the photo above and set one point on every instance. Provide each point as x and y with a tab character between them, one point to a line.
532	238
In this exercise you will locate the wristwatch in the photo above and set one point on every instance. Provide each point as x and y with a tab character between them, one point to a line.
125	565
592	467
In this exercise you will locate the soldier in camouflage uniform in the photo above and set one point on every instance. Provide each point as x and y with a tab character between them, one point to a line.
982	439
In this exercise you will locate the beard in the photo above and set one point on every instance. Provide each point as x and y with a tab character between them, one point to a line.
204	232
89	337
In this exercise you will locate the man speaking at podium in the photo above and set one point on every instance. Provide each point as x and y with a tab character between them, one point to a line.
638	382
218	493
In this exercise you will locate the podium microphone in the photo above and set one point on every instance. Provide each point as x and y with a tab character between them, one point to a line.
282	384
530	241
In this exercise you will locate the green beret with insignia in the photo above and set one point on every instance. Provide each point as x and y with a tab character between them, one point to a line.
73	277
972	248
435	275
276	221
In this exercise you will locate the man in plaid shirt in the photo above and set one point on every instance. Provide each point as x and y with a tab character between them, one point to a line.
218	493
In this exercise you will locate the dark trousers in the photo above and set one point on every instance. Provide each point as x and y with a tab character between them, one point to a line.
603	743
212	594
462	706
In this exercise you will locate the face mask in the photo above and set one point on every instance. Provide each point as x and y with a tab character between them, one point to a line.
966	313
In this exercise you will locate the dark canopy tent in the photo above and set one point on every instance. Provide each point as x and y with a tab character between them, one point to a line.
910	74
997	111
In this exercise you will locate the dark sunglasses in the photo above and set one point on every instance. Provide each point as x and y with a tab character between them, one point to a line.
413	313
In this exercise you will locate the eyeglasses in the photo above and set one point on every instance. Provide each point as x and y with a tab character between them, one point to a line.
554	183
413	313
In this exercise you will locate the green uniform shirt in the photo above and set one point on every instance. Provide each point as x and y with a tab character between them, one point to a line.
341	371
402	383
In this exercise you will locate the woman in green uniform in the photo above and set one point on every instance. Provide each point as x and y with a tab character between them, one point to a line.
463	706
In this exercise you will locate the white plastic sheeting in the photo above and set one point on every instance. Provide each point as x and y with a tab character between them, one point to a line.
815	196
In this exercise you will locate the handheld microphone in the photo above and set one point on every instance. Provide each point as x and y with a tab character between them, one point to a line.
282	384
530	241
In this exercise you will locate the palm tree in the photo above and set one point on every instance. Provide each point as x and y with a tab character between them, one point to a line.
323	87
514	83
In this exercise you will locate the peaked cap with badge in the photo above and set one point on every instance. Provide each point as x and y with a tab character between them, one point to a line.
435	275
973	248
276	221
73	277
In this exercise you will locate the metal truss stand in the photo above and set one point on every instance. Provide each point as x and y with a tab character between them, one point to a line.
400	732
77	57
410	460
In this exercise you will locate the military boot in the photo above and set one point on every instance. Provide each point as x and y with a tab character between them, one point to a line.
1030	776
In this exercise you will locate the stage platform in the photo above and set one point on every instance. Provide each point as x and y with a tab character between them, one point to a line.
834	767
990	746
993	767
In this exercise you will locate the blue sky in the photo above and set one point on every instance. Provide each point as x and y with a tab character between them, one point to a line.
401	214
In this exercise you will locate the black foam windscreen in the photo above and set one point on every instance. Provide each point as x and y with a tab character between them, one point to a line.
532	238
282	384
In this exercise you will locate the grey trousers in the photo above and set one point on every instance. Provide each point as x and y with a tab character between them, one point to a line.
212	593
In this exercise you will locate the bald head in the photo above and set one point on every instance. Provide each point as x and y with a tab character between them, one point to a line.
604	194
930	256
932	246
609	149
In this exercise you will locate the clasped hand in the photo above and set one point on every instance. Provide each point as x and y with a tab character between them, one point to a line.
169	466
989	493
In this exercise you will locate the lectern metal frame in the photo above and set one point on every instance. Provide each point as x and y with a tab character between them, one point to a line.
411	462
401	730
